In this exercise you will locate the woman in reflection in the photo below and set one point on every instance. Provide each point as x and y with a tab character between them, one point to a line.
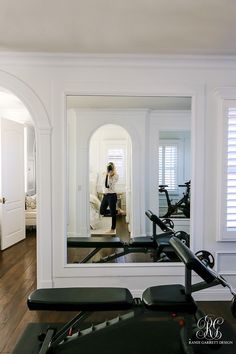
110	196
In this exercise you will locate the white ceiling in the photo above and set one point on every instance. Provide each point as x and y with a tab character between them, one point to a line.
12	108
194	27
202	27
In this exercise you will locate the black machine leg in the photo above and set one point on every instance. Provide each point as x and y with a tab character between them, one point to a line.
126	251
47	340
111	257
90	255
186	335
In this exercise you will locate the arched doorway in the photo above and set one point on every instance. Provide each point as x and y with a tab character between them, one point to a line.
110	143
84	117
42	126
17	169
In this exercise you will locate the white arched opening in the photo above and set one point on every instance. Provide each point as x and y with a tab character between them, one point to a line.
110	142
82	126
42	126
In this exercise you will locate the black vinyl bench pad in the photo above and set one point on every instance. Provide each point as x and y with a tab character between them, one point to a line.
146	241
80	299
115	242
96	242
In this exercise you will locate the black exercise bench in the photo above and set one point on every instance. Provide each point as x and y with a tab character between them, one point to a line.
163	320
80	299
156	245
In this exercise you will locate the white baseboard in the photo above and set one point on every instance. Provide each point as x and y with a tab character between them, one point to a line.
45	284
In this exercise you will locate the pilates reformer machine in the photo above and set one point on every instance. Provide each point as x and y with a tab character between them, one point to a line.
165	319
156	245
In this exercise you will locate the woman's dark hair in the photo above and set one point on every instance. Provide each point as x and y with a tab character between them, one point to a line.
110	166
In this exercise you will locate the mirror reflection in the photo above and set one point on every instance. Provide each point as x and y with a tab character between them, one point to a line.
129	164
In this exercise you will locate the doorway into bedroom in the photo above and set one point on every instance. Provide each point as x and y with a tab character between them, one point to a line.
110	143
18	181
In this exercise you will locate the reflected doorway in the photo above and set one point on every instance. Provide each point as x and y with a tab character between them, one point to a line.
110	143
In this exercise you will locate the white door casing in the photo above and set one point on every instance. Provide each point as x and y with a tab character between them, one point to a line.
12	202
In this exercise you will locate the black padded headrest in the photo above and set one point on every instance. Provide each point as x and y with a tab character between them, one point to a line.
191	261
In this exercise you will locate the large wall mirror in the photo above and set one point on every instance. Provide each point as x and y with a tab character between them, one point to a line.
125	155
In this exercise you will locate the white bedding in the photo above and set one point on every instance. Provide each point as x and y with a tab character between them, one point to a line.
30	210
94	211
30	214
98	223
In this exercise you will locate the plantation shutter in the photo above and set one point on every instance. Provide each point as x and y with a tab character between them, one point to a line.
116	156
227	219
168	164
231	172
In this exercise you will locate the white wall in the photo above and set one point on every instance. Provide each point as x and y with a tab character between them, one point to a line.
41	82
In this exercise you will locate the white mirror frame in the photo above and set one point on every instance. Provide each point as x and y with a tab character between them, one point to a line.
133	275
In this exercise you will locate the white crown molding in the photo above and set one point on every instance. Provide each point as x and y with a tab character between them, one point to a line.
72	59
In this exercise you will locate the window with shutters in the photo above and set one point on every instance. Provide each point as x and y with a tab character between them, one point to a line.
168	164
117	156
228	199
231	171
116	151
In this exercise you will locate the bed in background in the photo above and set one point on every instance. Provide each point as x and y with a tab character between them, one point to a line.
30	211
98	223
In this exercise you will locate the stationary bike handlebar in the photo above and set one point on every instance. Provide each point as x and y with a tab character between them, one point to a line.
154	218
186	184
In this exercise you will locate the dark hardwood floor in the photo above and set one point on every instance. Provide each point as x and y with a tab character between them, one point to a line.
18	279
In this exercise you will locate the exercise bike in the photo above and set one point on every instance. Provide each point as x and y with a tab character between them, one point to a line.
166	319
182	206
